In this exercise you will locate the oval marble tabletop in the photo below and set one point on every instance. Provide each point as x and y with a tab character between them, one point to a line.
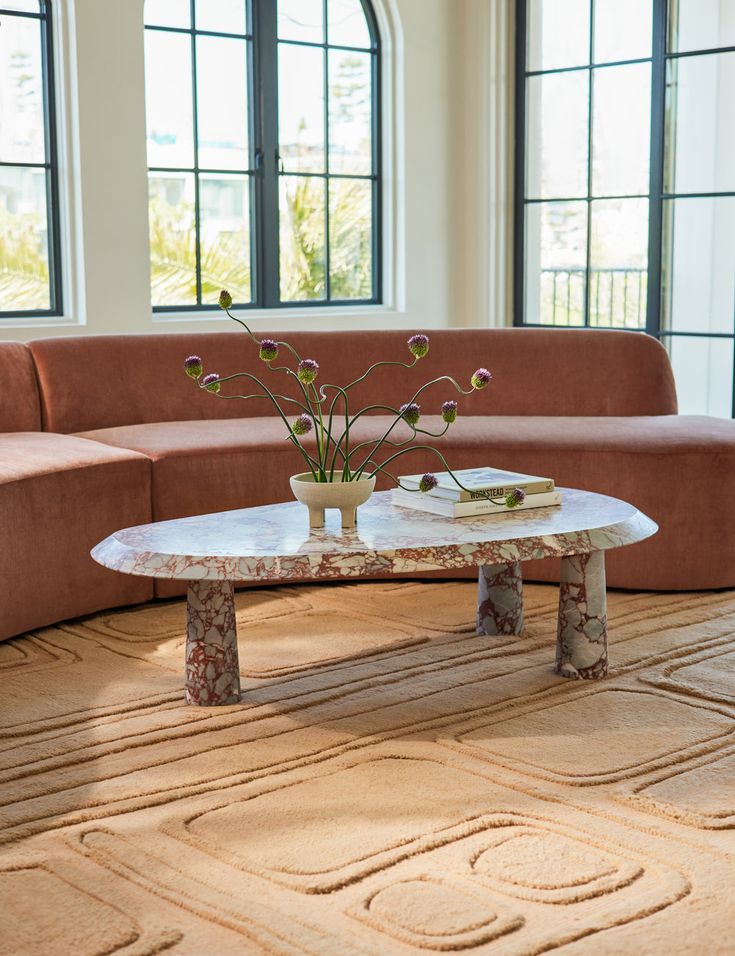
274	542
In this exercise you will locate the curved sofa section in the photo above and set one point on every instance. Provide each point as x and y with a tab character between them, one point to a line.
101	433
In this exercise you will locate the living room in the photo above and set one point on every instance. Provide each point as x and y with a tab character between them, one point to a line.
367	399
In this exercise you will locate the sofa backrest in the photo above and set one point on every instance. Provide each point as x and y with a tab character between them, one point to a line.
94	382
20	405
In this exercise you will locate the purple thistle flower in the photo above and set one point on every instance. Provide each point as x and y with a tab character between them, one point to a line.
268	350
211	382
480	378
410	413
515	497
427	482
193	366
418	345
302	425
307	371
225	299
449	412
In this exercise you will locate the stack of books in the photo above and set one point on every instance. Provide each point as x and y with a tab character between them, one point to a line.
486	491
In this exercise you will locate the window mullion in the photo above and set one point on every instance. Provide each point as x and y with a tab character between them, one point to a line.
195	118
51	158
327	269
656	184
265	47
590	146
519	185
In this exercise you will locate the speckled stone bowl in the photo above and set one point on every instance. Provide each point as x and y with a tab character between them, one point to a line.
345	495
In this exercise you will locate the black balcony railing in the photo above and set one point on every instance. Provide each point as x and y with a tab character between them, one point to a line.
617	297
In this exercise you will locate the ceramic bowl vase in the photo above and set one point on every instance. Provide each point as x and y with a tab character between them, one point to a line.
318	495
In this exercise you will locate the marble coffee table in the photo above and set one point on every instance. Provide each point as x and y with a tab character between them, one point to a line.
274	543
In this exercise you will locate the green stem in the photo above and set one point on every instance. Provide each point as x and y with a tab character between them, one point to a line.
283	398
393	478
434	381
278	408
350	422
283	368
405	451
399	444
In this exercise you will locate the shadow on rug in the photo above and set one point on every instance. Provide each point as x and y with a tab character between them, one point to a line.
391	783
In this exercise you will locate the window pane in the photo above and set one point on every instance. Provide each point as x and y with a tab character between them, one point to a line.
221	16
26	6
558	33
172	239
556	254
24	260
225	237
703	369
302	232
618	263
556	135
621	130
350	94
350	238
622	30
301	108
168	13
301	20
699	264
701	24
222	103
21	91
346	23
168	99
700	144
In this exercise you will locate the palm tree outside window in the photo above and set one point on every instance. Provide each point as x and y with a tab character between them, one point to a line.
263	152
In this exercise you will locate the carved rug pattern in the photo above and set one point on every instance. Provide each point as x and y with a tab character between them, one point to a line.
391	782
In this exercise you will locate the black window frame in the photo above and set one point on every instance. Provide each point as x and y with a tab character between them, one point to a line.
264	162
660	59
50	164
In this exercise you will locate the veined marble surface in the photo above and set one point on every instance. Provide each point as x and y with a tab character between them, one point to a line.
273	542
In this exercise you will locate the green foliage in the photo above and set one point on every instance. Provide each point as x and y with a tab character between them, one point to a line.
350	224
24	275
173	258
225	263
302	239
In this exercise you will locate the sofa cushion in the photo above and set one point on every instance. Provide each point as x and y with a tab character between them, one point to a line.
94	382
668	466
59	496
20	406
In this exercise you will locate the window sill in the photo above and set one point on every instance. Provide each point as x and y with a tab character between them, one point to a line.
286	313
40	322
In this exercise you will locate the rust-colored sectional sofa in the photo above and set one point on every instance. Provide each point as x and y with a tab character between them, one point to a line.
99	433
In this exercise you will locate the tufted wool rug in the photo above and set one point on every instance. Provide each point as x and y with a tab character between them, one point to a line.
390	784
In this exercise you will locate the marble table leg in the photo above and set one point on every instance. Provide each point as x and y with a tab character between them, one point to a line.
581	645
212	664
500	599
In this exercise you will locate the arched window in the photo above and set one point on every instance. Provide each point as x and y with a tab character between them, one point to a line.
30	272
263	152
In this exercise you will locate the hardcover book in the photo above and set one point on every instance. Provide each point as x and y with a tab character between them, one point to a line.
468	509
480	483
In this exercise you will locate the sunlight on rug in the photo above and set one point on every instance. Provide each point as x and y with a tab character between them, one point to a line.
391	783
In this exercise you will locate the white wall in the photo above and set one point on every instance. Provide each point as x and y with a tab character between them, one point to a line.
441	186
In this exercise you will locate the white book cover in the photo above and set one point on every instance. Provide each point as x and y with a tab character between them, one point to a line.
480	482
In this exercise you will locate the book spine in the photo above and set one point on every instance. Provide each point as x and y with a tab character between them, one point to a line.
480	494
468	508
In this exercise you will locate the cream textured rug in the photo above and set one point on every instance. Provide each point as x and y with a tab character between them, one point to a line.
391	783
